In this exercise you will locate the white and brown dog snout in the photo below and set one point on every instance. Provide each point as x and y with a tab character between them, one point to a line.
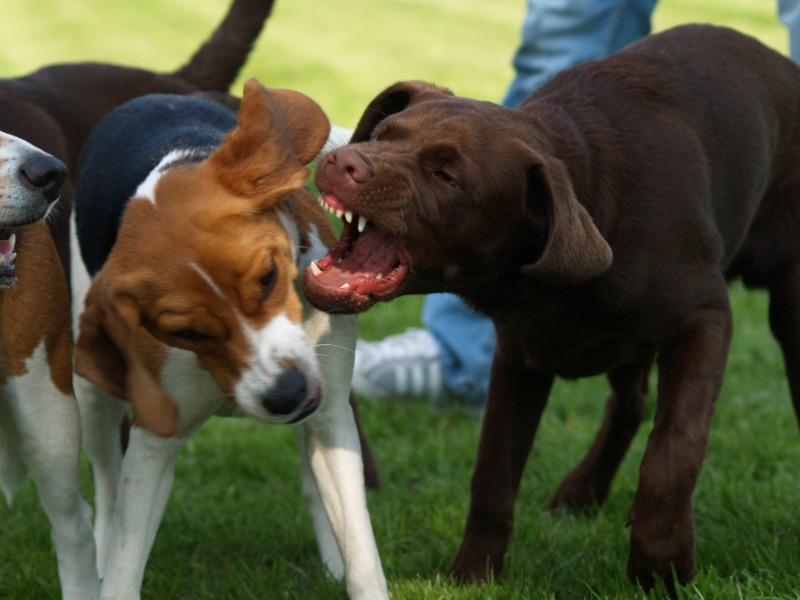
30	181
283	383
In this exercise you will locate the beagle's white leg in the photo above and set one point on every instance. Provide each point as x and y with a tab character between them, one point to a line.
145	482
148	471
333	452
326	540
48	427
101	419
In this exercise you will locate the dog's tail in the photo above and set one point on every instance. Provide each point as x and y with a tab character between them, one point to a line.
216	64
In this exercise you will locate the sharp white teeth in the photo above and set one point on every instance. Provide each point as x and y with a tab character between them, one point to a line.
348	216
379	276
315	270
362	224
344	286
12	257
13	241
339	214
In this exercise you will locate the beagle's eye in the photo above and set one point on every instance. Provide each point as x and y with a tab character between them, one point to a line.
446	178
191	335
268	283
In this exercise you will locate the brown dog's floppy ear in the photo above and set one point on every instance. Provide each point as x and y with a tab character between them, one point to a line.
278	133
107	354
395	99
575	250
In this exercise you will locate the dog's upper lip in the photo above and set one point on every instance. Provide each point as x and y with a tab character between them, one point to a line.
331	203
366	264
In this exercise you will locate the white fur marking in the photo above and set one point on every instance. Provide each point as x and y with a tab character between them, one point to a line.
147	189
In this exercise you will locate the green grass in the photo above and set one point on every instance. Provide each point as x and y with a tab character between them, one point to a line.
236	528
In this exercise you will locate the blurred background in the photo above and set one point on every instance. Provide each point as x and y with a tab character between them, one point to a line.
341	53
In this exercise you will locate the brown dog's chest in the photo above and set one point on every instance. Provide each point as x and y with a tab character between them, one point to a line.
35	310
571	350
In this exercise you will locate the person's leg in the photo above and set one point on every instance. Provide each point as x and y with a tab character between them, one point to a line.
450	357
789	14
466	340
558	34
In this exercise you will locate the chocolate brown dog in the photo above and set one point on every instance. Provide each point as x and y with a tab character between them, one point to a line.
597	226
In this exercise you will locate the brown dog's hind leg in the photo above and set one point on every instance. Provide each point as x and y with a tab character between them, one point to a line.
516	401
588	484
784	321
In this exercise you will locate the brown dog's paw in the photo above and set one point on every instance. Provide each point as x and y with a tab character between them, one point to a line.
475	565
470	572
577	495
670	561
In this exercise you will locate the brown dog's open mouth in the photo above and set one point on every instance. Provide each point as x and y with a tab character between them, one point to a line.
364	266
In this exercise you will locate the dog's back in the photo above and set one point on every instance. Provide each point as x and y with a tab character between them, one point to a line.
730	108
138	135
56	107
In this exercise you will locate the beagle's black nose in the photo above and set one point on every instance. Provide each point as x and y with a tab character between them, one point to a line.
287	394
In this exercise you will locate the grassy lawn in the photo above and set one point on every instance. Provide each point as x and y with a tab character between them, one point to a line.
236	527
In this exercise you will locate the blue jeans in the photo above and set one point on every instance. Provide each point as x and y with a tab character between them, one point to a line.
789	14
559	34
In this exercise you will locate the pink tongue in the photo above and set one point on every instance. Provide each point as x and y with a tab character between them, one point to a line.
5	248
371	254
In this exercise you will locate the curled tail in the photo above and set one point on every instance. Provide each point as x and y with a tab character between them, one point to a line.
216	63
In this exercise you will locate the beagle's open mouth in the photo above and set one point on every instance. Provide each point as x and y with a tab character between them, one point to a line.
8	271
364	266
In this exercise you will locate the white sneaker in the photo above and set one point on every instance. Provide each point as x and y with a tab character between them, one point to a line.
404	365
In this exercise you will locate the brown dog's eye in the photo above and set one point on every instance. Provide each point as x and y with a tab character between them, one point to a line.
446	177
268	282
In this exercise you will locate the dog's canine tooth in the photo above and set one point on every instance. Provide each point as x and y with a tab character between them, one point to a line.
362	224
315	270
12	240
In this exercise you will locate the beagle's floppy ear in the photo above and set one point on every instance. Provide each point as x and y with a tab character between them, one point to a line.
107	353
395	99
278	133
575	250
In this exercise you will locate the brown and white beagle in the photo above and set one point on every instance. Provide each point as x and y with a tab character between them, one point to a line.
193	223
39	422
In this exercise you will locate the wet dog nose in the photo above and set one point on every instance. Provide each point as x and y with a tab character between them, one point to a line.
287	394
46	173
349	162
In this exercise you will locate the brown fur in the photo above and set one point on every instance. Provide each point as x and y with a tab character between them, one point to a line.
597	226
29	311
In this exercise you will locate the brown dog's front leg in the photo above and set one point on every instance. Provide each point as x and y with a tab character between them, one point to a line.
690	377
516	401
588	483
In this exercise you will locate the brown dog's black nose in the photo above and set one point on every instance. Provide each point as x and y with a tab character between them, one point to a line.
46	173
287	394
348	161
